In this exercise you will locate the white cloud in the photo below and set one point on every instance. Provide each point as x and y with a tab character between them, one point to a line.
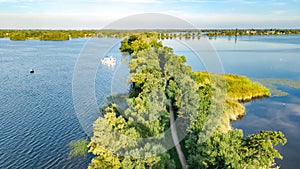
279	12
102	18
224	1
115	1
22	6
238	20
18	1
201	1
137	1
51	21
91	11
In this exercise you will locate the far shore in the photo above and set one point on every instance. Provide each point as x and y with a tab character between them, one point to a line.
38	34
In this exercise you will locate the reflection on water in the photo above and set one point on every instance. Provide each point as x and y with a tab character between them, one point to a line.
263	57
277	113
272	84
38	120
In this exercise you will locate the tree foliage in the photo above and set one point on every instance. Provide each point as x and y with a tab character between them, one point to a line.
140	42
54	35
228	148
237	89
232	150
18	36
160	80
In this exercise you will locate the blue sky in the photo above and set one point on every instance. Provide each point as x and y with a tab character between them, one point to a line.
86	14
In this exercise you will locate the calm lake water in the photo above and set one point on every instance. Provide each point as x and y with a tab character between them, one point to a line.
263	57
38	119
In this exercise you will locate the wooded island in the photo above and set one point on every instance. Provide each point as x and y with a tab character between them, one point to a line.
162	86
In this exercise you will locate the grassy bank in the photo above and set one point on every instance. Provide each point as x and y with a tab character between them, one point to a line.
238	89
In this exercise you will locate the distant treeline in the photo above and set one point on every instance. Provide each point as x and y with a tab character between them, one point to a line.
61	34
163	34
191	34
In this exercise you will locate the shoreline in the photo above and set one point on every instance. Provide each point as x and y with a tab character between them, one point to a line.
239	90
38	34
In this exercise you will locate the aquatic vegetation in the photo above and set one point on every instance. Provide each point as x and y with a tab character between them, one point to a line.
238	89
78	148
272	83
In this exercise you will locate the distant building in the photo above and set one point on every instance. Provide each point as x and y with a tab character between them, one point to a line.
271	32
252	32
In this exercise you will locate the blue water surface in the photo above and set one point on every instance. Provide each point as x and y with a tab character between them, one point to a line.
38	120
261	57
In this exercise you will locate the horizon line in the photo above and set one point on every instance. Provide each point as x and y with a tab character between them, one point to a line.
159	29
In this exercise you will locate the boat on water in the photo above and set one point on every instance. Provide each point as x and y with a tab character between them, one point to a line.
31	71
108	60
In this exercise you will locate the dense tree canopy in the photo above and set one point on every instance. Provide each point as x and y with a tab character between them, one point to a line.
232	150
160	82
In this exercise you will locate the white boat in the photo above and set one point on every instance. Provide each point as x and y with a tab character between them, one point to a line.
31	71
108	60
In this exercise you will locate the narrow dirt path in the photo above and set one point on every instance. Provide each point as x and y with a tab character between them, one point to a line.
175	138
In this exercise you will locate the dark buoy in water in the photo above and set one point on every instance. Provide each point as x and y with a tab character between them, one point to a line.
31	71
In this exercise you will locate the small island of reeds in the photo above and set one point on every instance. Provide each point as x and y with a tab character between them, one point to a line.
238	89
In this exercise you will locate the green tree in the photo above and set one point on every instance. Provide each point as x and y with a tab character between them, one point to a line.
54	35
232	150
162	83
17	36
